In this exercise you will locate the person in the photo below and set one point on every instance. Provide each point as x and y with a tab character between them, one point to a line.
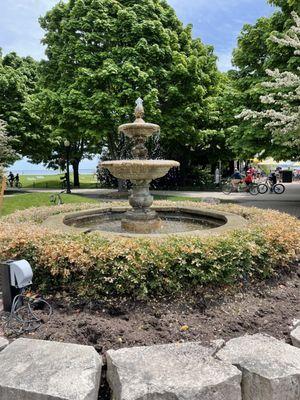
273	180
248	179
17	180
217	176
11	178
279	174
236	178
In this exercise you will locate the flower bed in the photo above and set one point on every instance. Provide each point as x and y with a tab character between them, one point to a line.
90	266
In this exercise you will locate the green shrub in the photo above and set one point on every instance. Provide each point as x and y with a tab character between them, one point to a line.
90	266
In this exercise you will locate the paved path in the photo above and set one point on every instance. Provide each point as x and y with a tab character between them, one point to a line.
288	202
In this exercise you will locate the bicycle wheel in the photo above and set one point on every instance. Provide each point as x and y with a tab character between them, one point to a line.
278	188
226	188
262	188
253	190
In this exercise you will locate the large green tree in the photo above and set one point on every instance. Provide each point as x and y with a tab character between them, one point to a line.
18	77
103	54
7	154
257	52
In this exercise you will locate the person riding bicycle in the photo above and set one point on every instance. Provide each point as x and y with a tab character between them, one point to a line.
236	178
248	179
11	178
17	180
272	178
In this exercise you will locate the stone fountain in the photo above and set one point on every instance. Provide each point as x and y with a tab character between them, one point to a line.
140	171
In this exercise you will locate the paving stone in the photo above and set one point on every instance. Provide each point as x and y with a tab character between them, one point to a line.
3	343
185	371
44	370
295	323
295	336
271	368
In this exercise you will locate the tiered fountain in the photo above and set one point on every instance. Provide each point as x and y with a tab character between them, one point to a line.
142	220
140	171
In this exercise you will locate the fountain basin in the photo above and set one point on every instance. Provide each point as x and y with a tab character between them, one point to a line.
139	170
176	221
138	129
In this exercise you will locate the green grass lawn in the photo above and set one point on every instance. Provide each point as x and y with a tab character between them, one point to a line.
22	201
54	182
16	202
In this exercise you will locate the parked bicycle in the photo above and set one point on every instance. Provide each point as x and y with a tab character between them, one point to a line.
56	199
228	187
277	188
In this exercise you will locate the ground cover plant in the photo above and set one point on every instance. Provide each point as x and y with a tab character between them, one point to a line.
89	266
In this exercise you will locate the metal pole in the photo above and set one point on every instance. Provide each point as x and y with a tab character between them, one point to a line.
8	292
3	187
68	170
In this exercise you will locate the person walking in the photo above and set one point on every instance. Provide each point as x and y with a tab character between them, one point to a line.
217	176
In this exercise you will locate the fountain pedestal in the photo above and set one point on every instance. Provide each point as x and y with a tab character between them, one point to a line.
141	219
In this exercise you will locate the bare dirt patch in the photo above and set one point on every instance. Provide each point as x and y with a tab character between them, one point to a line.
266	307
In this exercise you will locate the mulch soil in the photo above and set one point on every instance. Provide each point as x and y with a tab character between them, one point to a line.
268	307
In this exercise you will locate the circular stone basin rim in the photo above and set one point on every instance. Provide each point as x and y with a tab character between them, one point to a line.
229	222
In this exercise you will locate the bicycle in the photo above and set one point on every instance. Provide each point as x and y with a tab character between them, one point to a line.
18	185
228	188
12	184
277	188
56	199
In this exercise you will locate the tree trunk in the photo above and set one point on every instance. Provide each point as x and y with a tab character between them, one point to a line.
75	165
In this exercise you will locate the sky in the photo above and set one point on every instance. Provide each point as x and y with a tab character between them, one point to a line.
216	22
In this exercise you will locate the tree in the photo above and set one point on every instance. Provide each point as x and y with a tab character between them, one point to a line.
103	54
282	100
256	53
7	154
18	77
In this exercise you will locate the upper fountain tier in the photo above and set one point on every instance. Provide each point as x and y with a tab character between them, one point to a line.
139	129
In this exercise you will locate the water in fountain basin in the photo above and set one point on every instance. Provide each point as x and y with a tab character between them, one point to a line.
171	223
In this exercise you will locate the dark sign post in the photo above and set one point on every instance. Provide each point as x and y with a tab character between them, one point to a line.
8	291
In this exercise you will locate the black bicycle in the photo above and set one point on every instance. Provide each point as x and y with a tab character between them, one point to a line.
277	188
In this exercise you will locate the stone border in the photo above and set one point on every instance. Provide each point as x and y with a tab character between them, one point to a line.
250	367
231	222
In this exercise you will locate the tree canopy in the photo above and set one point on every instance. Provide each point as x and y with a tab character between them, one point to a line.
18	76
7	154
103	54
256	53
281	115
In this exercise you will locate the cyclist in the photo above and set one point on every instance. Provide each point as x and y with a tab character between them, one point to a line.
273	180
11	178
248	179
17	180
236	178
